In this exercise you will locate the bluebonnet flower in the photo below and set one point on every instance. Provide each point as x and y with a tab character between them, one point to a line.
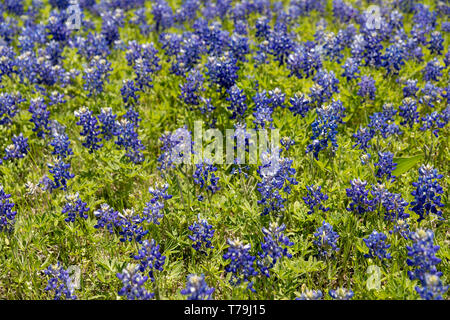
273	248
9	106
277	98
433	121
57	27
129	226
433	288
7	61
139	19
74	206
263	109
393	59
401	227
96	74
360	202
436	43
241	263
308	294
60	144
145	62
430	94
129	91
94	44
202	233
7	215
393	204
60	173
39	116
314	198
56	98
277	177
343	11
111	22
377	246
422	255
367	87
325	85
410	89
341	293
204	176
32	35
324	128
363	137
176	148
108	124
372	54
107	217
149	258
187	11
197	288
191	89
351	69
331	47
60	283
14	6
432	71
408	111
153	211
385	165
133	284
304	61
287	142
326	240
162	15
239	47
300	104
280	42
222	71
237	100
383	122
427	196
90	130
18	149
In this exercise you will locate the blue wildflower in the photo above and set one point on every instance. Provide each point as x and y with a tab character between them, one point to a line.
133	284
197	288
7	215
341	294
427	196
326	240
149	258
314	198
377	246
60	283
273	248
202	233
241	263
73	207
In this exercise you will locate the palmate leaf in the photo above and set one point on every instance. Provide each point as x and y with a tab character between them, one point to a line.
405	164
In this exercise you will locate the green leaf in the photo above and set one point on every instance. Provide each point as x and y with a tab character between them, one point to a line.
404	164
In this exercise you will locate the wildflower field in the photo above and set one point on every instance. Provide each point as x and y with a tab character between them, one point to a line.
221	149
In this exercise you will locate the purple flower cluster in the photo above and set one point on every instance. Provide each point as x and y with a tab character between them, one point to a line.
202	233
75	207
273	248
427	196
197	288
377	246
326	240
60	283
7	215
241	263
